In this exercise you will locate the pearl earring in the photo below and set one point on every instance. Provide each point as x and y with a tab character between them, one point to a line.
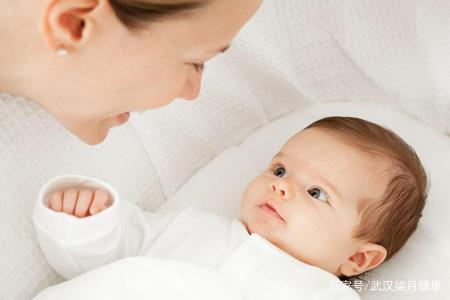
61	51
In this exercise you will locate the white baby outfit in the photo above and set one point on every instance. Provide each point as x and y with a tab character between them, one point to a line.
250	266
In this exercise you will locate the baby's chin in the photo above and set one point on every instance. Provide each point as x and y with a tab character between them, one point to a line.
261	228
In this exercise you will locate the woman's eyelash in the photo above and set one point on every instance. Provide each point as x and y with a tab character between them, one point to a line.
199	67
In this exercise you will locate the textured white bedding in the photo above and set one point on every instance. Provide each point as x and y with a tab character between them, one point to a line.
293	53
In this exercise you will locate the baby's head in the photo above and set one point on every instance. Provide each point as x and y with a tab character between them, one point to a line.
344	194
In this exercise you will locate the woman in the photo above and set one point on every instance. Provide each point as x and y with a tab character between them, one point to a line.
91	62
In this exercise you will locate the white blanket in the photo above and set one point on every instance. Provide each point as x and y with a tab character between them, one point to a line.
143	278
182	255
256	271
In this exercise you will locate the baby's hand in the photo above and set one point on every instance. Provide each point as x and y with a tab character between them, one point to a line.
79	202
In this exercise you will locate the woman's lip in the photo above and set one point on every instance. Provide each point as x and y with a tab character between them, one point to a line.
122	118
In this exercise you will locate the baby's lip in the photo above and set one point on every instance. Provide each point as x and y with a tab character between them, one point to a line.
270	207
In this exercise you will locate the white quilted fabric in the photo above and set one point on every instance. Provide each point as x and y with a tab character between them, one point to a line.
393	52
294	52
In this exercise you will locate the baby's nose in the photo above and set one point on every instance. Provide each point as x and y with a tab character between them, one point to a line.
280	189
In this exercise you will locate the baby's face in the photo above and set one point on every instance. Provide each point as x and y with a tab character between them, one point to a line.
306	202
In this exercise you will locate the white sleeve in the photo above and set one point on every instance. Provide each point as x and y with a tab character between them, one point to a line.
75	245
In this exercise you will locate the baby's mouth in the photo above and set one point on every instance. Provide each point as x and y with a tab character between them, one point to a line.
269	209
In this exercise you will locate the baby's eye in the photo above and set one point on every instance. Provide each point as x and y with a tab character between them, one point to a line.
279	172
318	193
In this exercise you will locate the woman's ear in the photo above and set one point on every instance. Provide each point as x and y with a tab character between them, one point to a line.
68	24
367	257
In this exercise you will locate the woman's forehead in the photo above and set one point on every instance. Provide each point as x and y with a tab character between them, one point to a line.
205	32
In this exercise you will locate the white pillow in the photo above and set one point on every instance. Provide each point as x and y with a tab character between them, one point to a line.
423	261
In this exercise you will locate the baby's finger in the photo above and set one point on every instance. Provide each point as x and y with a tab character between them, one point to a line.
83	203
55	202
100	202
69	201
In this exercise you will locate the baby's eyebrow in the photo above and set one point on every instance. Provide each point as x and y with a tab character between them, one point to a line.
278	155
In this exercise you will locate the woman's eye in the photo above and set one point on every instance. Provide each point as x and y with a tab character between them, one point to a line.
279	172
319	194
199	67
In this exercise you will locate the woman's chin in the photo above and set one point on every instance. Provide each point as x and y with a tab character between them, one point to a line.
97	132
94	137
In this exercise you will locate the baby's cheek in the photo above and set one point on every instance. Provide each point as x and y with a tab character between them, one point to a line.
329	247
248	201
309	239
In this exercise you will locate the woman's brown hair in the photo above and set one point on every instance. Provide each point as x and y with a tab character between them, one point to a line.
136	13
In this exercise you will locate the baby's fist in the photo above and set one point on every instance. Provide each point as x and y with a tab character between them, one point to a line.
79	202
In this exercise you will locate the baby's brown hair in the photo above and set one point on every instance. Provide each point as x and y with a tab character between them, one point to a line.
391	220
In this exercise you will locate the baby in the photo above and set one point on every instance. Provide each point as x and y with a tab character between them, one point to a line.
343	195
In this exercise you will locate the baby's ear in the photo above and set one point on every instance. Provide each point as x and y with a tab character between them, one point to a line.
367	257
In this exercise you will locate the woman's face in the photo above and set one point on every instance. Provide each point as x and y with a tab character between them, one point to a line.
117	70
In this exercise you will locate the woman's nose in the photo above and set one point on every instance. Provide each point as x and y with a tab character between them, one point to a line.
280	188
191	88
